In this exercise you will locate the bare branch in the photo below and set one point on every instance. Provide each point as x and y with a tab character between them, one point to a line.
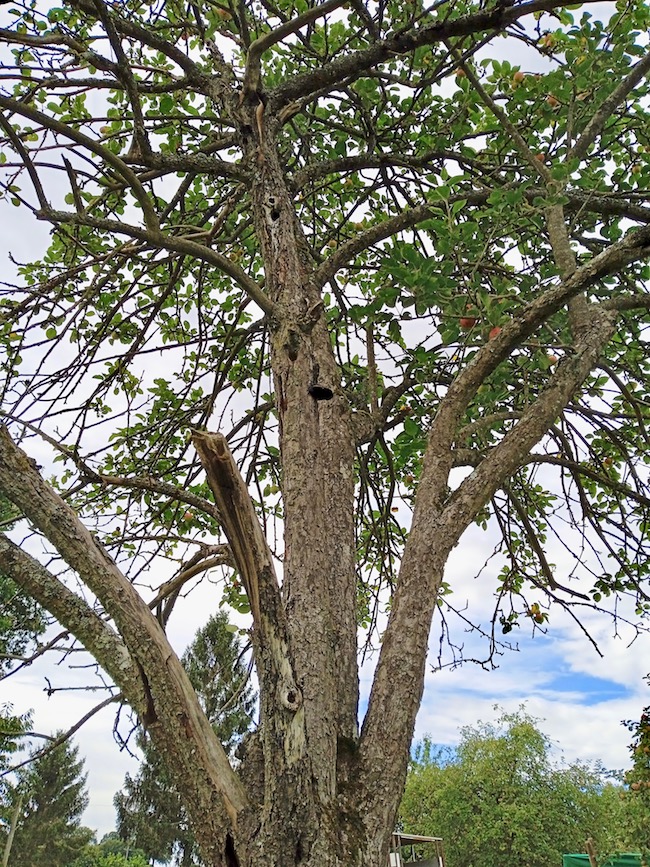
64	736
535	544
254	561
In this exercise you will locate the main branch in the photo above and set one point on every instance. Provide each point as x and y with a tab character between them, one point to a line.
173	714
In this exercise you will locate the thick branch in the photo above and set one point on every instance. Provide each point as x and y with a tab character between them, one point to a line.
174	715
635	245
77	616
241	526
254	562
358	62
436	528
515	447
358	162
198	161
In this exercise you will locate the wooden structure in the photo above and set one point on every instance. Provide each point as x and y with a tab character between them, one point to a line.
403	851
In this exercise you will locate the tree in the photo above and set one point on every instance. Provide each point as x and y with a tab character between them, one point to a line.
638	781
374	283
53	793
111	851
499	799
95	858
11	728
150	812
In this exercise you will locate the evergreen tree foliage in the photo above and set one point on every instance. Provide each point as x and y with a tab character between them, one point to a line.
499	799
149	809
216	669
53	790
11	728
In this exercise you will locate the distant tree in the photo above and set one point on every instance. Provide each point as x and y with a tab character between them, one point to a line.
22	620
113	844
11	728
149	809
215	666
498	799
111	851
53	791
94	857
637	796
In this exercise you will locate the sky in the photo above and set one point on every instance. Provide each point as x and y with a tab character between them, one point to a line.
579	697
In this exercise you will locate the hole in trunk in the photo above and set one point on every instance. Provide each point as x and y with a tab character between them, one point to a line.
231	856
320	392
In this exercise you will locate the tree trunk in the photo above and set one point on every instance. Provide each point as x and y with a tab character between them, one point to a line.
303	809
12	831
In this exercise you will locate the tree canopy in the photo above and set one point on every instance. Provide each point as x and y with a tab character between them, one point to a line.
325	285
499	798
111	851
638	781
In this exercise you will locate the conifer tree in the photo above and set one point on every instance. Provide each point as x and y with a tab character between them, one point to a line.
149	809
53	791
